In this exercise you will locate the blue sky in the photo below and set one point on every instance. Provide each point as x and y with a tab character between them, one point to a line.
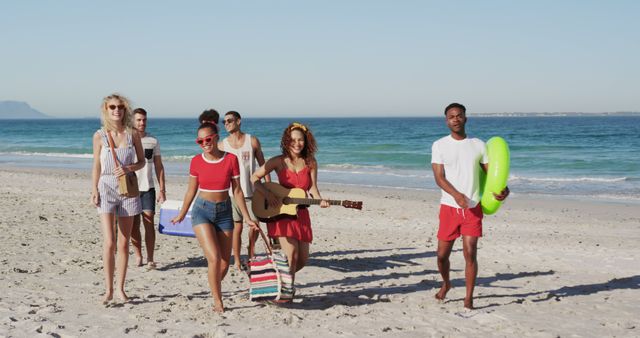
321	58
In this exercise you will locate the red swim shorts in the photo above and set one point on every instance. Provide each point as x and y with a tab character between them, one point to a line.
455	222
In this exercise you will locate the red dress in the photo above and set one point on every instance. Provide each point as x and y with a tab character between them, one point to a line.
300	227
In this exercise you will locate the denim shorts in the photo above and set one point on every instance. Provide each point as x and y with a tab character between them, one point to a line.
217	214
148	200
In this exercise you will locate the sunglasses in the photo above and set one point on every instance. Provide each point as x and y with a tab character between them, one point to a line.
113	106
206	139
227	121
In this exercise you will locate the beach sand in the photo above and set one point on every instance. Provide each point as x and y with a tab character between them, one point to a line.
548	267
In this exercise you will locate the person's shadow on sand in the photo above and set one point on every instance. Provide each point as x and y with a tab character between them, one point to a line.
352	264
338	264
191	262
391	285
359	297
629	283
370	295
358	290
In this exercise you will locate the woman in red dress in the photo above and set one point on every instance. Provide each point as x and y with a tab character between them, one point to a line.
296	168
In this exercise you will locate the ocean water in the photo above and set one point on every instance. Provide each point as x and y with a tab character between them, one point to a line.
573	156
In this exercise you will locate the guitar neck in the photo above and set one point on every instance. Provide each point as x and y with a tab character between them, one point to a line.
310	201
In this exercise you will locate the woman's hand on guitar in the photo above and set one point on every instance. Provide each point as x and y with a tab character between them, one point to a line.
324	204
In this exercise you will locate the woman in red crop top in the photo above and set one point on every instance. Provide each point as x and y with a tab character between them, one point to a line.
213	172
296	168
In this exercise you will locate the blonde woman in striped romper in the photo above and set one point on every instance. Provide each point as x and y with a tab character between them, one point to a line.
116	119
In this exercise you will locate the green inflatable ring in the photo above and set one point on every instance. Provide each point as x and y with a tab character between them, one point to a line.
497	174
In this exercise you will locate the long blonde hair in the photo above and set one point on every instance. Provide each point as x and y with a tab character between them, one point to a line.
127	120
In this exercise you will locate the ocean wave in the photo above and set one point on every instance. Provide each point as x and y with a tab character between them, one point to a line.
602	197
634	198
178	158
567	179
352	166
375	171
378	186
67	155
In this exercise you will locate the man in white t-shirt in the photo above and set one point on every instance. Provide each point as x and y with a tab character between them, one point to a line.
248	151
147	190
456	161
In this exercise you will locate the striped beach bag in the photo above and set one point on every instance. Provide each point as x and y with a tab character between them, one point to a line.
269	276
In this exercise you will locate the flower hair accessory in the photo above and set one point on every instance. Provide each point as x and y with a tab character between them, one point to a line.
295	125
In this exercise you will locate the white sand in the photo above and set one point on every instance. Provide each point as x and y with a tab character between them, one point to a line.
547	268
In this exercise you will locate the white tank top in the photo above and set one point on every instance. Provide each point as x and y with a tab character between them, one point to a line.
247	162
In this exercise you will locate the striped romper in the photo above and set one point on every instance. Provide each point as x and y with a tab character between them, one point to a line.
110	199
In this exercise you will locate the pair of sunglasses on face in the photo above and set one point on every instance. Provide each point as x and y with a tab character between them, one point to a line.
206	139
113	107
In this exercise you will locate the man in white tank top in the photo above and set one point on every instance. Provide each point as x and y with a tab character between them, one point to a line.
248	151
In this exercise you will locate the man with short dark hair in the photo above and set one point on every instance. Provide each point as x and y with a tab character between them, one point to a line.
456	160
146	186
248	151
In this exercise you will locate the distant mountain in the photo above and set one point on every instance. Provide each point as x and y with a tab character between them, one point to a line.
19	110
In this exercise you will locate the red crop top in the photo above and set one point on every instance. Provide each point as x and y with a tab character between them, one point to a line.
214	176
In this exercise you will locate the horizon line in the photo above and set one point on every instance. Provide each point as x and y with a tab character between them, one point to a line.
502	114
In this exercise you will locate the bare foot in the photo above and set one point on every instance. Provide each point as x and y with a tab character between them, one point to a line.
218	308
468	303
108	296
151	266
138	261
123	296
443	291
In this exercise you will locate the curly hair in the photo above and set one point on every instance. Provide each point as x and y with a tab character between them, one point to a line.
310	146
127	119
209	115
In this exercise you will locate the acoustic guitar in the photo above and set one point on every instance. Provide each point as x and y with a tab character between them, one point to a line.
290	199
